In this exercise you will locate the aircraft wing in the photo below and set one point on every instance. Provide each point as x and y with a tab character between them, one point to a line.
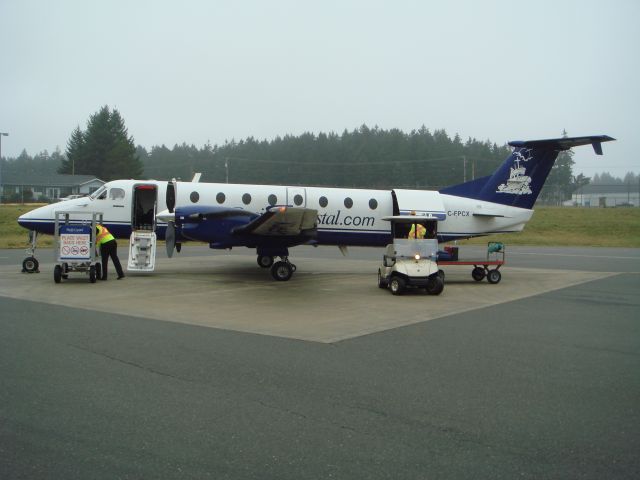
281	221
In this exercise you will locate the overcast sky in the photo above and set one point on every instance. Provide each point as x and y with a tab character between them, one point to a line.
196	71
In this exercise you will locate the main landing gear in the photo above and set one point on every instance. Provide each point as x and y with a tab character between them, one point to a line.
282	270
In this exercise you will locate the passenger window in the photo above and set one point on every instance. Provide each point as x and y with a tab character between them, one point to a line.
194	197
323	202
246	199
116	194
297	199
220	197
348	202
272	199
373	204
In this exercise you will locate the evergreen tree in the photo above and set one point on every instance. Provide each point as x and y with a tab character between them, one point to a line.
105	149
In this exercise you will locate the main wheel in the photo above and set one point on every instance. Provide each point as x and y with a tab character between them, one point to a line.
57	274
382	283
478	274
494	276
281	271
265	261
435	285
397	285
92	274
30	265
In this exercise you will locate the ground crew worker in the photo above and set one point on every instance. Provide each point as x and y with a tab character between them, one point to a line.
421	230
108	248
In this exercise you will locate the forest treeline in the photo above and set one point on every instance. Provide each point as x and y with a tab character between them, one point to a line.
364	157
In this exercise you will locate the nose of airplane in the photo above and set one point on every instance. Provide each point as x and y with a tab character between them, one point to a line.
39	219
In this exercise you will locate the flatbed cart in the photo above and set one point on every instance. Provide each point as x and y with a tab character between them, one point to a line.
75	244
495	258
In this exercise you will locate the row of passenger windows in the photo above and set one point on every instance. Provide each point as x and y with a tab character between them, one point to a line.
273	200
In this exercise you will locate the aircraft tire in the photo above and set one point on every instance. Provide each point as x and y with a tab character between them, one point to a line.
265	261
281	271
30	265
396	285
478	274
57	274
494	276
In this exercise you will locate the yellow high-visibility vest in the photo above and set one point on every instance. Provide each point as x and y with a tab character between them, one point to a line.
421	231
104	235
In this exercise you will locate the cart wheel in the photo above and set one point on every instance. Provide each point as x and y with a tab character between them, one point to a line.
92	274
478	274
494	276
397	285
57	274
382	283
98	270
435	285
441	274
30	265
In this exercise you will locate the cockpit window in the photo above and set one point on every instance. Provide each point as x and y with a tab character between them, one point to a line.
116	194
101	193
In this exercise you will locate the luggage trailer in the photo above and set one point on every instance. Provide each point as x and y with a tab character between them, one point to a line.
481	268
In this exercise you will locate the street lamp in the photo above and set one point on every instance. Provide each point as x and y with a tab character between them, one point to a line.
2	134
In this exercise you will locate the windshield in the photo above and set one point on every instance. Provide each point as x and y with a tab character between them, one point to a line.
410	248
98	193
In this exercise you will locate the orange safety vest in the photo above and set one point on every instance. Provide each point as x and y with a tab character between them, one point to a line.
104	235
421	231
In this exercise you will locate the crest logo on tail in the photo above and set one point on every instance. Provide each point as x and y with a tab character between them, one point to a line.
518	182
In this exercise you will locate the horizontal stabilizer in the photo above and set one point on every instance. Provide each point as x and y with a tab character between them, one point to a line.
564	143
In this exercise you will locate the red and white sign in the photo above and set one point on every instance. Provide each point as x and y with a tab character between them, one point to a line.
74	246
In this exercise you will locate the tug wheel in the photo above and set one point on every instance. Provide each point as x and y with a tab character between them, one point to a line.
397	285
382	283
435	285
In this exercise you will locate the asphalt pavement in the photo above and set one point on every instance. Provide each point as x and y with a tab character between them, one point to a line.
542	386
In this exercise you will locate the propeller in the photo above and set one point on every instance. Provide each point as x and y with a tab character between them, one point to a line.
171	195
170	234
170	238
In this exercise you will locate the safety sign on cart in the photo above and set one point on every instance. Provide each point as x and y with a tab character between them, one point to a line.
75	242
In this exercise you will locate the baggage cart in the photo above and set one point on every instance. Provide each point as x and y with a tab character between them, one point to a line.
75	244
481	268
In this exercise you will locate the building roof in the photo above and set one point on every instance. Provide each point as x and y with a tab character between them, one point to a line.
48	180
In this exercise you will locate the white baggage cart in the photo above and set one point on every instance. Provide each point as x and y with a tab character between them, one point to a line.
75	244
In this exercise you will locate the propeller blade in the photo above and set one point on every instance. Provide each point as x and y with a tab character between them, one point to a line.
170	238
171	196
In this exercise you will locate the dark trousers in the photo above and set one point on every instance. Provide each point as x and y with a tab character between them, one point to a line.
110	249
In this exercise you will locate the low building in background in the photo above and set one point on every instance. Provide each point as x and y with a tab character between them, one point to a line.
46	188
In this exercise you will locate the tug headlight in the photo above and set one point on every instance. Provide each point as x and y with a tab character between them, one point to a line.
417	256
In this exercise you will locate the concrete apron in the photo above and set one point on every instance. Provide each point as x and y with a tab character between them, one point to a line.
326	300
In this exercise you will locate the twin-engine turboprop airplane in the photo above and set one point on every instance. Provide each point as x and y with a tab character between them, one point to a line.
273	218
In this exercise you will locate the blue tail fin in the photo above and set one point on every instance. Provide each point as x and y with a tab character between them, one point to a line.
520	178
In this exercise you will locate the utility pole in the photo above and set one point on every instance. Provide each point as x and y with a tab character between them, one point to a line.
2	134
